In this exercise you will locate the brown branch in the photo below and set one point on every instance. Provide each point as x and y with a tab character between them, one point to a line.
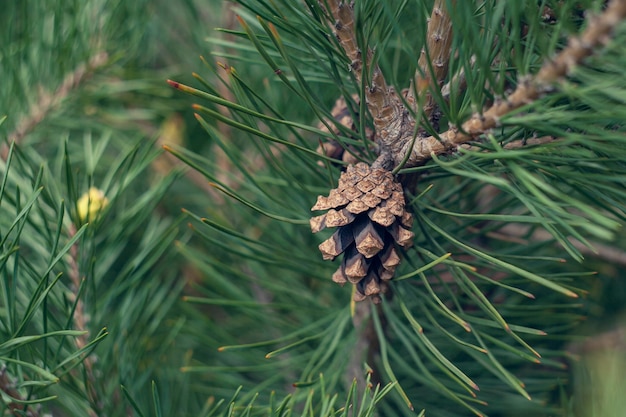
432	67
614	339
81	323
8	387
390	118
596	34
389	114
47	102
458	80
610	254
516	144
365	353
229	21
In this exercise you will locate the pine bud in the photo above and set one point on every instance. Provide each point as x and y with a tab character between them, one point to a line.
91	204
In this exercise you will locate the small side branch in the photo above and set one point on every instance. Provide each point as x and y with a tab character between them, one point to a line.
384	104
81	323
19	406
432	67
47	102
597	33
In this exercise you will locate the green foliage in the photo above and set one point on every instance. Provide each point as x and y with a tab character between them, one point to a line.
59	276
83	307
236	314
476	318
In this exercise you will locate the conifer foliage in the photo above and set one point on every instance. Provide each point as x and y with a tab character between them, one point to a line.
461	165
487	120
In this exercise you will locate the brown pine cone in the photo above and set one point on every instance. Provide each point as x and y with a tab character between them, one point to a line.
368	209
333	149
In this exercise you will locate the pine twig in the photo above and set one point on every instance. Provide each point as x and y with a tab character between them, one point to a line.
16	408
614	339
517	144
390	116
81	321
458	80
610	254
366	346
47	102
597	33
432	67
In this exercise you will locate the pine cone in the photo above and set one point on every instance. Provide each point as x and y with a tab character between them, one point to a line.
333	149
368	209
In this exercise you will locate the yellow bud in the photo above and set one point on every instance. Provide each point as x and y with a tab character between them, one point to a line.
90	204
173	130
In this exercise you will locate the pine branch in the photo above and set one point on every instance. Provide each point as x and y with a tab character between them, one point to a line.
395	128
81	323
516	144
433	62
17	408
471	292
47	102
609	254
366	348
598	33
458	81
390	116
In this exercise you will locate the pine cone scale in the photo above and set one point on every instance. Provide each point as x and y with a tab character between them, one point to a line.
389	258
369	239
336	218
357	207
355	267
317	223
402	236
351	193
336	244
382	216
339	277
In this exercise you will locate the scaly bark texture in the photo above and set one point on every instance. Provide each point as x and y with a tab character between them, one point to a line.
432	67
389	114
